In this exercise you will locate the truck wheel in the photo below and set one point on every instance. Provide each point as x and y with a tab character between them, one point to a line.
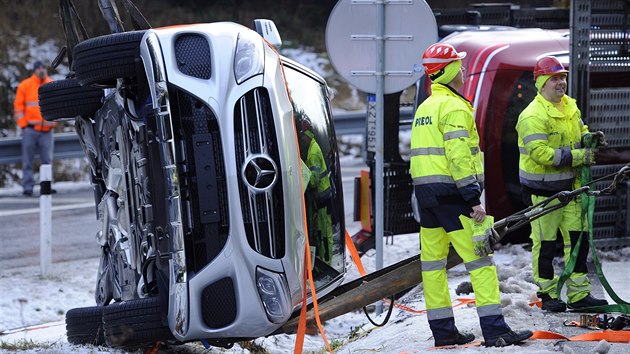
135	323
84	325
102	60
67	99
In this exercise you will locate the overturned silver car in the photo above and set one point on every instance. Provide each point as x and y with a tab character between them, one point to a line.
212	158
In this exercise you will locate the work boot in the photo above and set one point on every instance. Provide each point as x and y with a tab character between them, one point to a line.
455	338
508	338
588	301
552	305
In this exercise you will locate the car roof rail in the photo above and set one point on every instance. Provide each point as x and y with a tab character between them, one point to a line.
267	29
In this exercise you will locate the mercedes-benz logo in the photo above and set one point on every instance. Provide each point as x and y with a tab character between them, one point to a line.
259	173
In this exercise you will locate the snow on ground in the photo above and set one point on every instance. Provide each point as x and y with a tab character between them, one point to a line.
29	299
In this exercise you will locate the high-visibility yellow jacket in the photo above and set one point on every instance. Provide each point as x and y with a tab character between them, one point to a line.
26	105
320	194
550	148
446	162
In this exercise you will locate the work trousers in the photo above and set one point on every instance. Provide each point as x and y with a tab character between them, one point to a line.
451	223
544	234
34	142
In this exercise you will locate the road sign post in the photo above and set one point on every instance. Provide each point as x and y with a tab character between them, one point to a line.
373	44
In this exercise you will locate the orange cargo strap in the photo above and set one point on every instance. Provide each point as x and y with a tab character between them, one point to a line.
308	276
154	349
608	335
354	254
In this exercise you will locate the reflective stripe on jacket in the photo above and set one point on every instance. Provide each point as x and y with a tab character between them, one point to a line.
445	157
549	144
26	105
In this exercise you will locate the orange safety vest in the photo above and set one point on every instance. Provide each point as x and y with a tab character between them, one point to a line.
26	105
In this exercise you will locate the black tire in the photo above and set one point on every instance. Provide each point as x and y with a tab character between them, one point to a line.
84	325
102	60
67	99
135	323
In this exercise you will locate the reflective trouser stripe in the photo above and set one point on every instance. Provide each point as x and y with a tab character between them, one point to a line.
479	263
543	236
441	313
433	265
434	250
489	310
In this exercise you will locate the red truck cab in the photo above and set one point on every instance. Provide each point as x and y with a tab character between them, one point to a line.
500	84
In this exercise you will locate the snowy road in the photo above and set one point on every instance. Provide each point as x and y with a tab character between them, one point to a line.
73	220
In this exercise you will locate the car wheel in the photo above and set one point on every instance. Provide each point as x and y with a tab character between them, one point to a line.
102	60
84	325
67	99
134	323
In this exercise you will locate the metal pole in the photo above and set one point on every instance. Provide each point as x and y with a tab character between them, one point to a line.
45	218
380	101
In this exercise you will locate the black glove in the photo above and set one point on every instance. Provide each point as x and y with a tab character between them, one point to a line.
597	136
601	138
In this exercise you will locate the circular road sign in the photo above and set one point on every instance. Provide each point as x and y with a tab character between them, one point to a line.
351	40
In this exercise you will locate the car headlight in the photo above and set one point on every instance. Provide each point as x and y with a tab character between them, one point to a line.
273	291
249	56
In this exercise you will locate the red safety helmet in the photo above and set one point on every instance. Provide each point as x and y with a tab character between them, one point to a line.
439	55
548	66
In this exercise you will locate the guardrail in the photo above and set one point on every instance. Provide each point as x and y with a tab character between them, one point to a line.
67	144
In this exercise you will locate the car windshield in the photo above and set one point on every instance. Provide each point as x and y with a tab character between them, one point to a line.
321	175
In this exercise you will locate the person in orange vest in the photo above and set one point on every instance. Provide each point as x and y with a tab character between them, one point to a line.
37	133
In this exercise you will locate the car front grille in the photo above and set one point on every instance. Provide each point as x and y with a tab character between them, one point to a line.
201	172
257	160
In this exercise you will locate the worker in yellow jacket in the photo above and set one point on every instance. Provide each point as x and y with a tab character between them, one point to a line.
318	194
37	133
550	131
447	172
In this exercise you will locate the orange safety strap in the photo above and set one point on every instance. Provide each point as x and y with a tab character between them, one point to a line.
547	335
609	336
301	331
299	341
308	274
354	254
154	349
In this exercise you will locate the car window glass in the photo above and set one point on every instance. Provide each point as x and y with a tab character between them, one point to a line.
323	191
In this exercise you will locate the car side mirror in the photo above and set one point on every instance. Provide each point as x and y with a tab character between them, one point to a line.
267	29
